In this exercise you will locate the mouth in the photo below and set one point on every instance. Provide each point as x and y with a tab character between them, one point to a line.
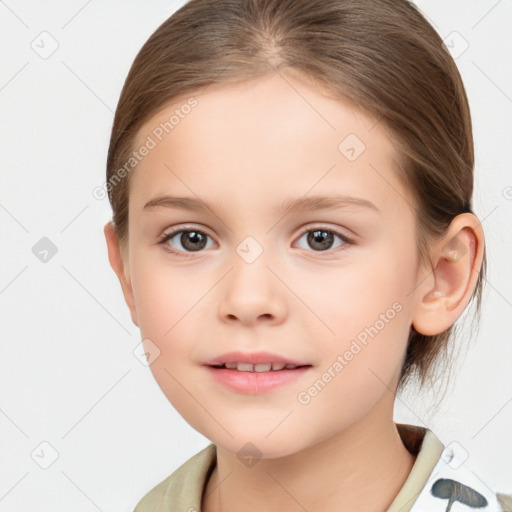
257	368
253	373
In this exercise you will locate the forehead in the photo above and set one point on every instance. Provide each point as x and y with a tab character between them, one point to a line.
261	140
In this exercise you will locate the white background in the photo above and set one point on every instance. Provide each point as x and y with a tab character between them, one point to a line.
68	374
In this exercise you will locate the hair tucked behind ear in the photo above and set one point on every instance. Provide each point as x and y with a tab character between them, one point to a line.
381	55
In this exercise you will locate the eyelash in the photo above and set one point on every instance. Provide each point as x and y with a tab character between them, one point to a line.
168	236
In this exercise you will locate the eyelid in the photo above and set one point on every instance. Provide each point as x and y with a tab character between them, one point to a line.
185	227
172	232
324	227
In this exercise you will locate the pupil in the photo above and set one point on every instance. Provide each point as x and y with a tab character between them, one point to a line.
317	237
193	240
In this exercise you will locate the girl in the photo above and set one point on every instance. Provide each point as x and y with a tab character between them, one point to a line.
291	184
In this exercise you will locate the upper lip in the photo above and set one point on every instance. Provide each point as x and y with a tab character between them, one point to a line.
253	358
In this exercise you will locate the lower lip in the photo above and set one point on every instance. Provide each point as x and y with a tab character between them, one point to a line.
254	383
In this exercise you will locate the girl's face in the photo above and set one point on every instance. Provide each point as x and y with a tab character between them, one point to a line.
329	283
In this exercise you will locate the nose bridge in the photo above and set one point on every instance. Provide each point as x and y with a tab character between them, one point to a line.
251	290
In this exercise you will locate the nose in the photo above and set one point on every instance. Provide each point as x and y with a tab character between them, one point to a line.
251	293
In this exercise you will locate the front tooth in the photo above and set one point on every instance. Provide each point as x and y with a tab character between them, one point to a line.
263	367
230	365
277	366
245	367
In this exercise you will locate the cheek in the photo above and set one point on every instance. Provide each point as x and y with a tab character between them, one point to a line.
373	287
163	296
171	307
169	314
359	369
368	305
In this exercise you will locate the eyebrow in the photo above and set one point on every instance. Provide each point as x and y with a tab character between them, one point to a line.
290	205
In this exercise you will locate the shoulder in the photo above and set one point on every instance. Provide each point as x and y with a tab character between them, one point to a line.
183	489
443	479
454	483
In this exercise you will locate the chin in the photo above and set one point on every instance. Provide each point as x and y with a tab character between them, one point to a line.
251	447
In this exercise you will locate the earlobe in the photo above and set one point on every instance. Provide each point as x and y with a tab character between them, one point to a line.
456	261
119	266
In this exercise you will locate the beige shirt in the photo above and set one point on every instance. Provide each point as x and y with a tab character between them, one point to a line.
182	491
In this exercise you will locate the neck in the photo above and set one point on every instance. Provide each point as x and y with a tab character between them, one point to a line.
362	467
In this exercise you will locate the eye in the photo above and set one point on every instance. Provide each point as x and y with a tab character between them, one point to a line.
321	239
191	240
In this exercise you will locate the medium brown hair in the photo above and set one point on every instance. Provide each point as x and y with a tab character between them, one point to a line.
380	55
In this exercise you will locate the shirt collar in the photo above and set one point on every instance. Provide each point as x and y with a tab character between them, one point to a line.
423	443
183	490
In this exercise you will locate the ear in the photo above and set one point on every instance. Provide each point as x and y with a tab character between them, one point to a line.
121	268
443	295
